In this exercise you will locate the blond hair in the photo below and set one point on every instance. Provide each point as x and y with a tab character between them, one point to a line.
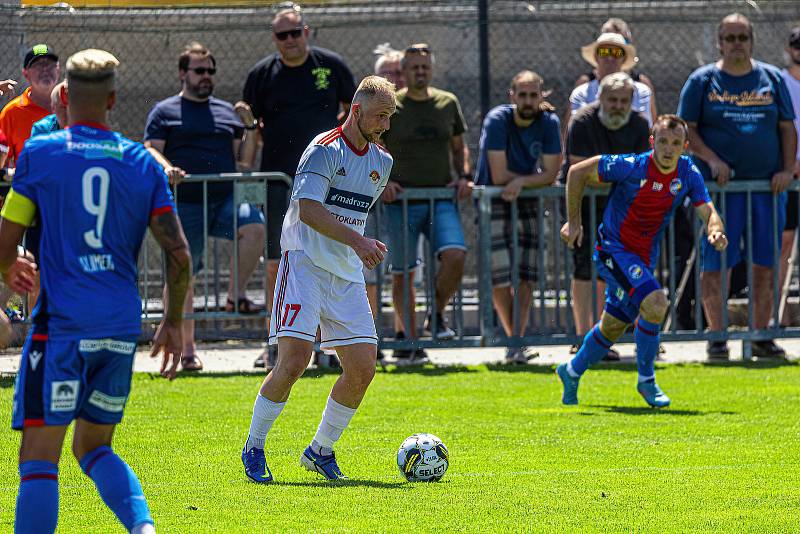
92	65
373	88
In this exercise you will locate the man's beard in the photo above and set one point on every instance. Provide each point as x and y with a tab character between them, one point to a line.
527	113
614	121
201	91
370	137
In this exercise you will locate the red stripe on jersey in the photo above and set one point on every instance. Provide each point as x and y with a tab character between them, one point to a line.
382	148
33	422
647	212
39	337
333	134
158	211
352	147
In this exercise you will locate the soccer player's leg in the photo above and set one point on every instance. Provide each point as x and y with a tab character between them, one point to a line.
293	327
109	364
46	396
652	311
347	326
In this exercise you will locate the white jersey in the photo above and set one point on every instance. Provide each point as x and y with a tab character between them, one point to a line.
347	182
793	85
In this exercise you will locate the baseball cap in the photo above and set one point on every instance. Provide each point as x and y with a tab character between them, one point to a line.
36	52
794	37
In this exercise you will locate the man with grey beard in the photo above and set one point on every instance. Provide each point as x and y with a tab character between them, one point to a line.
606	126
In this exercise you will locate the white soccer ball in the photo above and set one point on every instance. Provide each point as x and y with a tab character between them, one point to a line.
423	458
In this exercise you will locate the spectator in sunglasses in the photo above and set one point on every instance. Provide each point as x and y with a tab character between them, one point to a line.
741	127
195	132
295	93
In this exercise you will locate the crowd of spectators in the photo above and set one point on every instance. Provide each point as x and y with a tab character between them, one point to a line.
740	113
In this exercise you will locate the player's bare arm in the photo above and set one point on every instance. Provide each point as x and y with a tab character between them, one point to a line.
156	149
578	177
715	229
315	215
167	231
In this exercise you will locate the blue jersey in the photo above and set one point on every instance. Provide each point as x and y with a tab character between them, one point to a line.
642	201
94	193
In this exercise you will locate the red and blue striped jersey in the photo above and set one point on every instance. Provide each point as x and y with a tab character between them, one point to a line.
642	201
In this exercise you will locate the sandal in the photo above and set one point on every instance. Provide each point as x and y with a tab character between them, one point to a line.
245	305
191	363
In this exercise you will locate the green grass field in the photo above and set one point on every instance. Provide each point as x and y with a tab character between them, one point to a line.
725	457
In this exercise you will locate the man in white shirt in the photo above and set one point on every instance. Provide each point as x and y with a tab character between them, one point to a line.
609	54
320	281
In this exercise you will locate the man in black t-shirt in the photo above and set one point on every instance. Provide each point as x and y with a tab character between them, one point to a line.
295	94
606	126
197	133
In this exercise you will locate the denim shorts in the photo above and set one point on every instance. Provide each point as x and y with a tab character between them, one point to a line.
445	232
219	223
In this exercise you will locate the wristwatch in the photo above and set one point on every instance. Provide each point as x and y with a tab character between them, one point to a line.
252	126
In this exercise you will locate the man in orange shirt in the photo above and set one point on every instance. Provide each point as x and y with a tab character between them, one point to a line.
40	68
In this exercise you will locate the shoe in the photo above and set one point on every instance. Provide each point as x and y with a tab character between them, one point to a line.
324	465
14	315
574	349
768	349
255	466
267	358
718	350
652	394
611	356
570	395
191	363
419	357
530	353
443	332
245	307
401	354
515	356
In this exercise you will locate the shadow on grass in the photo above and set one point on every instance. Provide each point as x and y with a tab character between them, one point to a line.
343	484
530	368
646	410
6	381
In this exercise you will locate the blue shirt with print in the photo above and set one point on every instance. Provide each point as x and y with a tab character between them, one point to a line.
523	146
737	117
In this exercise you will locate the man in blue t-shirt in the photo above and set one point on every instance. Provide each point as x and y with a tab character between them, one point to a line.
95	193
646	189
197	133
740	127
520	146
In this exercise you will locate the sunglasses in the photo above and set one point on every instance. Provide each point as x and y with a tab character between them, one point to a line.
742	38
295	33
605	51
200	71
418	50
795	45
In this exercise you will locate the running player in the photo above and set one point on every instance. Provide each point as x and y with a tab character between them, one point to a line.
320	280
646	189
96	193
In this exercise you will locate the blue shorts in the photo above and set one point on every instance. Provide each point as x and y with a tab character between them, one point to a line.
445	234
220	223
764	241
628	281
59	381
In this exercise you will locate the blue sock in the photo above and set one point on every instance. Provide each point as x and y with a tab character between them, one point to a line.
118	486
647	337
37	502
595	346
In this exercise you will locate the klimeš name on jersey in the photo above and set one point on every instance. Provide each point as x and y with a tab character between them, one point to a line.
95	263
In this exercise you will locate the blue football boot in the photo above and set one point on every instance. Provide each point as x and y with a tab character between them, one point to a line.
324	465
255	466
652	394
570	395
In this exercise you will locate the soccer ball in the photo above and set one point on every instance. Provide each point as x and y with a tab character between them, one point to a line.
423	458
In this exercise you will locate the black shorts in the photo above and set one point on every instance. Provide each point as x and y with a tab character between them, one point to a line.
792	206
582	255
277	204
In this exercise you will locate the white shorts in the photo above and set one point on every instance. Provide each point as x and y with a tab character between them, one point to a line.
307	296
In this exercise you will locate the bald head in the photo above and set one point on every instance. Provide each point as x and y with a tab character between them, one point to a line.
57	104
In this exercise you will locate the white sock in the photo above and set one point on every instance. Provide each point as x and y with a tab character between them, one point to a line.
571	372
144	528
264	414
645	378
335	419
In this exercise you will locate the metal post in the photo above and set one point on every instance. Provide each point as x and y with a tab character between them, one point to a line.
483	45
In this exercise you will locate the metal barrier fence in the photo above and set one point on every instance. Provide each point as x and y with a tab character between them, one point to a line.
551	320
